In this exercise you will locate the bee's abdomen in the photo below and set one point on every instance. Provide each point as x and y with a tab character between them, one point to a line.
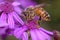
45	16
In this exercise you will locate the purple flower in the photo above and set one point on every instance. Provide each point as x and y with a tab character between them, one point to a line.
10	13
34	32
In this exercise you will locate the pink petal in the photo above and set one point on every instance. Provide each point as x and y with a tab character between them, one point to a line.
45	35
25	36
0	10
10	21
18	18
2	31
33	35
16	4
17	10
48	32
18	32
3	17
3	24
39	35
1	1
3	20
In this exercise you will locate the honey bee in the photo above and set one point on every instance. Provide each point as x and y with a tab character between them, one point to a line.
32	11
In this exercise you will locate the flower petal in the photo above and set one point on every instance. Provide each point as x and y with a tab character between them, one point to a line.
2	31
39	35
18	32
15	3
33	35
10	21
1	1
18	18
3	17
48	32
48	37
25	36
3	24
17	10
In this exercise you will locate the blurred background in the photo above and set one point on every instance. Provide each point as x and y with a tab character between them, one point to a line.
53	8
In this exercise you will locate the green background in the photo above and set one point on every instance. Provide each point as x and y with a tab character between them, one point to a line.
53	8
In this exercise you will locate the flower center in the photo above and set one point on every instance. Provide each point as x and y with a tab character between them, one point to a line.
33	25
7	8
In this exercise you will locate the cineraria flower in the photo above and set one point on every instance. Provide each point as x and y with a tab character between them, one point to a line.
9	13
32	29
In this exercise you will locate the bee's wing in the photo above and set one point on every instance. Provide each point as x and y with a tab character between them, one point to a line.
41	5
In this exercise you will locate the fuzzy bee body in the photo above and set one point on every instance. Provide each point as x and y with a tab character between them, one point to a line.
29	13
32	11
